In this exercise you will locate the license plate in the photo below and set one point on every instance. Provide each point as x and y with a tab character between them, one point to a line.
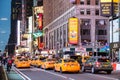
105	65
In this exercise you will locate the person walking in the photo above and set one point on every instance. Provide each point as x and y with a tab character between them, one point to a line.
9	64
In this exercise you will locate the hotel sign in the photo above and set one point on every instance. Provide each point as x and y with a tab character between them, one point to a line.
109	8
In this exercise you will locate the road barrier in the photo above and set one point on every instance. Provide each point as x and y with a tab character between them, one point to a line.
116	66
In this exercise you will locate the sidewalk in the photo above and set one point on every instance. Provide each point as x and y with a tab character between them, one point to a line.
13	75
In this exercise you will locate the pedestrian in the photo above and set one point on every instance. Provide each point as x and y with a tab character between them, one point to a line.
9	64
4	60
0	59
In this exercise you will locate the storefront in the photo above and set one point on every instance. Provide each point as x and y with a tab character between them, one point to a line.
115	51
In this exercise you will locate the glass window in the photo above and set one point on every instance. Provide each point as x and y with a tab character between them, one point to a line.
82	11
102	32
88	11
96	2
88	2
85	31
82	2
96	12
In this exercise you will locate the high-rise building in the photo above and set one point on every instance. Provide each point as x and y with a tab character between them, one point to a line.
16	10
93	28
20	10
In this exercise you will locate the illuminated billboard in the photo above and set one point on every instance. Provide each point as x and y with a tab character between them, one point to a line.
109	7
108	0
38	17
114	31
73	31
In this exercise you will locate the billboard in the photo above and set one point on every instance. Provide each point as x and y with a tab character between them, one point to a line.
109	7
109	0
18	32
38	17
114	30
73	31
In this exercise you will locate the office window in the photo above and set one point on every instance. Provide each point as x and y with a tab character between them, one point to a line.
102	32
97	12
88	2
85	31
96	2
82	2
82	11
88	11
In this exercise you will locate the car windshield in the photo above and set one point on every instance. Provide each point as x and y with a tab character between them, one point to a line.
69	60
103	60
50	59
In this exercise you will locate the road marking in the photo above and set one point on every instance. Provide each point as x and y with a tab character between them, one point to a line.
71	79
21	74
53	73
103	77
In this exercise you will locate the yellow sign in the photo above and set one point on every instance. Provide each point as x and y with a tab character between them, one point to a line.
109	1
73	30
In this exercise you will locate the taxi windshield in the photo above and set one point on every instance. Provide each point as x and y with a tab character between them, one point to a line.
50	59
103	60
69	60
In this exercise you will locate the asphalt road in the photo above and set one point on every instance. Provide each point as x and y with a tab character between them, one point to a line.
41	74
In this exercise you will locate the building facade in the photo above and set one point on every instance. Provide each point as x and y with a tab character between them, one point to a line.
93	28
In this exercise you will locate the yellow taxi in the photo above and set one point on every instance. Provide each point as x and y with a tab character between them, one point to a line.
16	59
85	58
37	62
22	63
32	61
67	65
48	63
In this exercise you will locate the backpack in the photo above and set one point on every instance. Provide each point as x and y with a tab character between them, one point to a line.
9	61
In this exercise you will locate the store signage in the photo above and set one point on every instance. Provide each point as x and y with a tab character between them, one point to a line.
109	8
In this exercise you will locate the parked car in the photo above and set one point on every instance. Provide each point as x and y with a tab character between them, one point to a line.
67	65
96	64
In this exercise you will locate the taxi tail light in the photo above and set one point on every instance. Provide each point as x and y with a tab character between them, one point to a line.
97	64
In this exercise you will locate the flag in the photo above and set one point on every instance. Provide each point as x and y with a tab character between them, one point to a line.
37	34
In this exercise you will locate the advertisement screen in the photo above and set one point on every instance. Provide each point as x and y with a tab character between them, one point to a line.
73	30
114	30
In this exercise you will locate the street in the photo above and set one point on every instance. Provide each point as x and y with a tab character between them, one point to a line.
41	74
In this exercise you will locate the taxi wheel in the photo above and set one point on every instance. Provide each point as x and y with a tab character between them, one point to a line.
61	70
55	70
108	72
45	67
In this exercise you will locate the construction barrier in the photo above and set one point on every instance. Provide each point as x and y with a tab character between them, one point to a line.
116	66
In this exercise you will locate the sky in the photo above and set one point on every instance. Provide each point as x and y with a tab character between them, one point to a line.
5	12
